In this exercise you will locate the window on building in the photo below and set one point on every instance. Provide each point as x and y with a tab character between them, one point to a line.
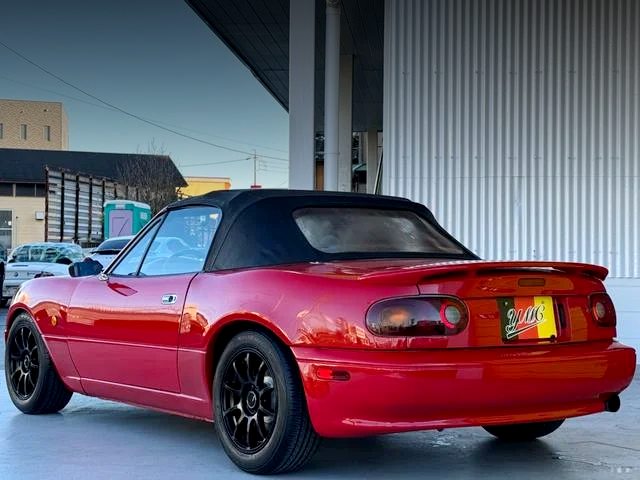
47	133
23	131
6	189
25	189
5	233
1	131
41	190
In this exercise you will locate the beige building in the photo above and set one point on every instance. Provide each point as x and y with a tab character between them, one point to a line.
22	220
33	125
201	185
30	200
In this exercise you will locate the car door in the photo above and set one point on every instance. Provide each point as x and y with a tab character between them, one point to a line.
124	325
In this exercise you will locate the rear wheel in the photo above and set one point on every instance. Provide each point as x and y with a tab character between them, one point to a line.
33	383
523	431
260	411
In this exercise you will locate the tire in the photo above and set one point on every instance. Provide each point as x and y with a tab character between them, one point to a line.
33	383
523	432
260	410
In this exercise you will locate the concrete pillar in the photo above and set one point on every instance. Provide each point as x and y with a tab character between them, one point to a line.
331	95
345	123
371	158
302	49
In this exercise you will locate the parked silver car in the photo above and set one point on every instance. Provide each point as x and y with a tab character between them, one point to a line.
31	260
107	250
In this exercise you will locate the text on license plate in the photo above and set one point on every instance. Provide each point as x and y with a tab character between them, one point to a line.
527	318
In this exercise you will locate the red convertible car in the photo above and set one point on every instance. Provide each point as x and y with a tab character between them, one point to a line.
289	316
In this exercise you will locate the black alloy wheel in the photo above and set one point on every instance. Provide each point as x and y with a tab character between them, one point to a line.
24	364
260	409
34	385
249	401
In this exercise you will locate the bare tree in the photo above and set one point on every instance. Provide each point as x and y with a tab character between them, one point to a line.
154	176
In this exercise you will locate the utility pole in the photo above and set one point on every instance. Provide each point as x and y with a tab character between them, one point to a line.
255	168
255	172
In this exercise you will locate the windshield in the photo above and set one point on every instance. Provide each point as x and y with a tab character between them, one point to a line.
370	230
47	253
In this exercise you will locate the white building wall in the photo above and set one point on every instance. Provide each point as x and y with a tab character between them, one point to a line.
517	123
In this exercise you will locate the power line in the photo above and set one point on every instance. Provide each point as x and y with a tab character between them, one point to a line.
214	163
133	115
263	169
153	120
56	93
249	144
271	161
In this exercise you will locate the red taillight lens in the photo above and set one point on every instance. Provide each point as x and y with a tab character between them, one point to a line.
417	317
602	310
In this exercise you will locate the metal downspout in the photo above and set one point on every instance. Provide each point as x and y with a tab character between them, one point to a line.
332	95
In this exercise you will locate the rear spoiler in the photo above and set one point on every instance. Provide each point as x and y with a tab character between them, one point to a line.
416	273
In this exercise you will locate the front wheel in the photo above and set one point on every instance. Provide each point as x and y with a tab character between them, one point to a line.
259	407
33	383
523	431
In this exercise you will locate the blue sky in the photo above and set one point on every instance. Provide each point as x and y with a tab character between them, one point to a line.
152	58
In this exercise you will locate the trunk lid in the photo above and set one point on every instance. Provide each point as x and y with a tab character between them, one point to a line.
510	303
518	303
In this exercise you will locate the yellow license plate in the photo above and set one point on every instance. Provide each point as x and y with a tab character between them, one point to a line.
527	318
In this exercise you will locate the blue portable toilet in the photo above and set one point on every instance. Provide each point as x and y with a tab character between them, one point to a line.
124	217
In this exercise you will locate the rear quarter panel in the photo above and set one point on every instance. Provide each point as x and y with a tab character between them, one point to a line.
319	311
302	310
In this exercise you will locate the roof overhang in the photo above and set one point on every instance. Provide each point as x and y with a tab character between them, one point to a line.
257	32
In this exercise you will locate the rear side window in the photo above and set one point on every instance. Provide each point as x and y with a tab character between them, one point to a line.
370	230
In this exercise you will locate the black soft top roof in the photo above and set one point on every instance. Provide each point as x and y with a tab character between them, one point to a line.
236	200
258	227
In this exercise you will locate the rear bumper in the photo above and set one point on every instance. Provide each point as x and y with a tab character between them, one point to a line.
10	286
418	390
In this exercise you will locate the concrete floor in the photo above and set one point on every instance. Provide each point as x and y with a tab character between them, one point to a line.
97	439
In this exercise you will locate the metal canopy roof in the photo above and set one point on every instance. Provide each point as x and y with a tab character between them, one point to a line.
257	31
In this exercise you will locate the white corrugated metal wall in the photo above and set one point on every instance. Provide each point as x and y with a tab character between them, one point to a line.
517	123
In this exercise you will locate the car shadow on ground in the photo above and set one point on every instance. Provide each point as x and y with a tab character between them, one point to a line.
467	453
130	439
127	432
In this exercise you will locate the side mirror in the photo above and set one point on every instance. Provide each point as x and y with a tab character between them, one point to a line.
85	268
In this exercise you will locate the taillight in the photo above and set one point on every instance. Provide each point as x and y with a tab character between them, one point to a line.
417	316
602	310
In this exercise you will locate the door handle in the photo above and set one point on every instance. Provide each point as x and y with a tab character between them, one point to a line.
169	299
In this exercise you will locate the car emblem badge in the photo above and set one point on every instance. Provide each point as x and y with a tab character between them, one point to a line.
252	399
